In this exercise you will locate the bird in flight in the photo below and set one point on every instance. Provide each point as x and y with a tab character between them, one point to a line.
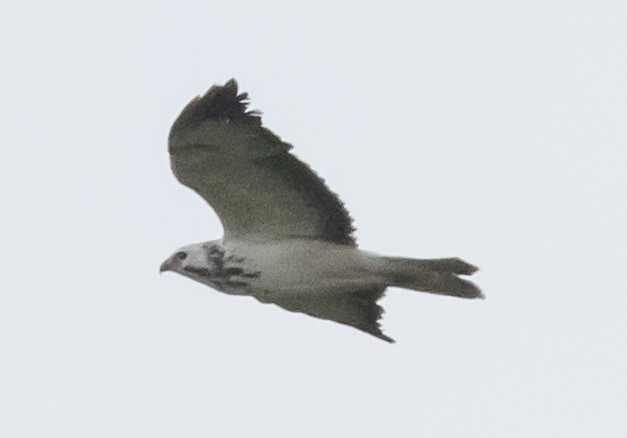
288	240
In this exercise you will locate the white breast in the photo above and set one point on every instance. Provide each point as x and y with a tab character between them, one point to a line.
306	266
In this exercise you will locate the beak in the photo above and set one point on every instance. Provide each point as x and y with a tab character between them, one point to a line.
166	266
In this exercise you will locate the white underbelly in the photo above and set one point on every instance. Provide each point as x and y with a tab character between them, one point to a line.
304	266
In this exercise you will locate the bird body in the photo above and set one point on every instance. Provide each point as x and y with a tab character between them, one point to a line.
290	267
288	239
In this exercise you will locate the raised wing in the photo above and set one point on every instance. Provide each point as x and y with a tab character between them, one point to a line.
357	309
258	189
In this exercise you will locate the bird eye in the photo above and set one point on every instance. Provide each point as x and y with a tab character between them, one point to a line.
181	255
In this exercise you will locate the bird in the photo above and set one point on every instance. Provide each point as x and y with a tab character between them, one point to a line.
288	239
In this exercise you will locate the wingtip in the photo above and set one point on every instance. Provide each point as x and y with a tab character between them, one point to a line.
386	338
230	84
219	102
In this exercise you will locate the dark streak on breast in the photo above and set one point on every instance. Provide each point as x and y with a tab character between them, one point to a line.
232	258
232	271
203	272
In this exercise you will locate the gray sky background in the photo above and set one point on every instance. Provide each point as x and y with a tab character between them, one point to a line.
493	131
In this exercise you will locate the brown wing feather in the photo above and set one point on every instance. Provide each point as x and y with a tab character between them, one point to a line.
246	173
357	309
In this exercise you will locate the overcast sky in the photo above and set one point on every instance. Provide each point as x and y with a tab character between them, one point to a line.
493	131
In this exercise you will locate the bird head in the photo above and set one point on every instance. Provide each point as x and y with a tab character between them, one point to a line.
199	261
175	262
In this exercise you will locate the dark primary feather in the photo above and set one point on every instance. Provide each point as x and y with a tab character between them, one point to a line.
220	150
218	103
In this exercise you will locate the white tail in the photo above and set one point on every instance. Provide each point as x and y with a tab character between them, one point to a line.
438	276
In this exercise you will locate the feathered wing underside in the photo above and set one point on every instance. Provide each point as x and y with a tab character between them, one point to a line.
246	173
357	309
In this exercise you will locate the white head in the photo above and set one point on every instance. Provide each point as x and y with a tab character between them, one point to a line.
199	261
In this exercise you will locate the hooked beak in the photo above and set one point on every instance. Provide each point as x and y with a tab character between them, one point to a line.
166	266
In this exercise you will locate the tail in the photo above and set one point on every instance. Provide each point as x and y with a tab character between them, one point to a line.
438	276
